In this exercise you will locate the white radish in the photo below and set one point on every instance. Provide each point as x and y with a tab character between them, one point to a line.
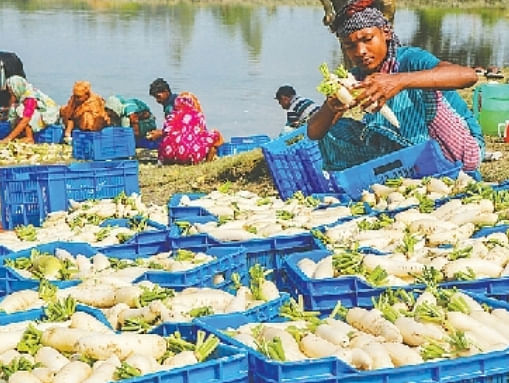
19	301
62	338
103	372
502	314
100	262
129	295
372	322
50	358
324	268
102	346
100	297
23	377
184	358
463	322
9	340
392	266
307	266
492	321
45	375
415	333
402	355
330	334
290	346
379	355
361	359
315	346
246	339
451	237
145	364
438	186
479	266
239	302
269	290
8	356
74	372
84	321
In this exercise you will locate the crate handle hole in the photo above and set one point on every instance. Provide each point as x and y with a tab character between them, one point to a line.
387	167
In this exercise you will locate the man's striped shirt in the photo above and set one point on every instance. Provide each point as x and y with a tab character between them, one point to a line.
300	110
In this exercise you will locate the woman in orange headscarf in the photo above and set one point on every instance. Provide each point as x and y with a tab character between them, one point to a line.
84	110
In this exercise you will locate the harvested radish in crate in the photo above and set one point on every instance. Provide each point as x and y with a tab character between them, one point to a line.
82	223
404	192
141	306
402	328
412	262
244	215
62	265
82	349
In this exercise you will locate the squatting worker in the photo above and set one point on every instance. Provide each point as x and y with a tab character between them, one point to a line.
417	86
85	110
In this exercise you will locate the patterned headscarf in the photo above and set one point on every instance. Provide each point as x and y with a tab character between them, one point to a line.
20	87
114	103
359	14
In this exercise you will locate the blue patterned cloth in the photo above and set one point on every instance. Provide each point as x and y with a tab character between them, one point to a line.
350	142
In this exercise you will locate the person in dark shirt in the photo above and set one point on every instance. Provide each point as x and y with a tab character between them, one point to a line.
298	108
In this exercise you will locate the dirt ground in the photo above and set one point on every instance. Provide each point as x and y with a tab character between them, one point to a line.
248	171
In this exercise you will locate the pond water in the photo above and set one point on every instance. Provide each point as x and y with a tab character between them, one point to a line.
233	57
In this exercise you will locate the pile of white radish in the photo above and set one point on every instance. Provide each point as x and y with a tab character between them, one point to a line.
403	192
83	349
412	244
401	330
244	215
62	265
139	307
81	223
17	153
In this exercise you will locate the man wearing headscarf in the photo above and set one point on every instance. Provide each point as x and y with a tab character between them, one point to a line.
84	110
416	85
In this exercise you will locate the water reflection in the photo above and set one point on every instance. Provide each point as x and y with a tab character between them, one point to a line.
232	56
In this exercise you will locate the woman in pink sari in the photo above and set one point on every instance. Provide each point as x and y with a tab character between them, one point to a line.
185	138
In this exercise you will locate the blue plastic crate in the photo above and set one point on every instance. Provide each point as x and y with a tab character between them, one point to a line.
29	193
229	260
4	250
20	201
488	367
417	161
74	248
285	165
142	142
182	213
268	252
87	180
241	144
312	161
10	282
323	294
227	364
5	129
107	144
51	134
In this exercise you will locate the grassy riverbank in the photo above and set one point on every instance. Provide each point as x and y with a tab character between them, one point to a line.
249	171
